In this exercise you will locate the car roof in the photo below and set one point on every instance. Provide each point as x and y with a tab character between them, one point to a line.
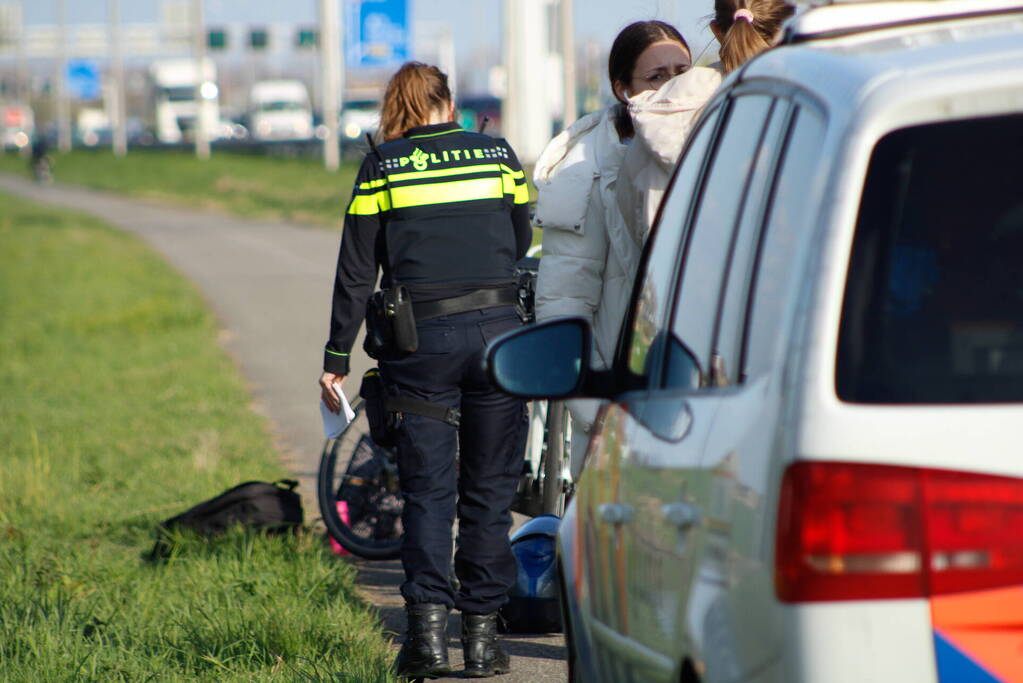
843	17
846	70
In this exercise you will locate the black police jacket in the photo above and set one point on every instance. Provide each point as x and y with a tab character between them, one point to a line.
440	210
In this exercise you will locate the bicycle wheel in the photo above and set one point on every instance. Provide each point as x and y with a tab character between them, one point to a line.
555	479
363	477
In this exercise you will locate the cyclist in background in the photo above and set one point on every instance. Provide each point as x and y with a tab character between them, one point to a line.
40	162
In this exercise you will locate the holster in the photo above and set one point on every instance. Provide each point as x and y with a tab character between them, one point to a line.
383	423
525	297
384	409
398	303
390	324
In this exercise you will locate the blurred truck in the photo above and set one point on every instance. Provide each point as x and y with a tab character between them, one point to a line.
280	110
173	113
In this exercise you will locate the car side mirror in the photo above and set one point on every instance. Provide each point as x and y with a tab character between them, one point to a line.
681	367
547	360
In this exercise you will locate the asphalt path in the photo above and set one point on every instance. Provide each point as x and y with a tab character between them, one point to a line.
269	284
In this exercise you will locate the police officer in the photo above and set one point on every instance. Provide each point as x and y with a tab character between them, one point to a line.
443	212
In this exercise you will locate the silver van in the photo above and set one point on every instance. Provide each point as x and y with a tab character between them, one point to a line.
810	465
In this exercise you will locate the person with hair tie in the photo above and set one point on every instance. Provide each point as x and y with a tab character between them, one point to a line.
745	28
664	118
442	212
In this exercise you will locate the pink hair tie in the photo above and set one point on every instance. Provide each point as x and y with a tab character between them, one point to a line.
743	14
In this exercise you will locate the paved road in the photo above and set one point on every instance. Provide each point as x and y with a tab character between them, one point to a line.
269	285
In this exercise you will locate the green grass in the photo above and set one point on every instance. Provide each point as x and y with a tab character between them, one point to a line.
297	190
118	410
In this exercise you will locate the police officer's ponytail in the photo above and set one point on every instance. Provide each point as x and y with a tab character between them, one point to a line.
413	94
625	51
747	27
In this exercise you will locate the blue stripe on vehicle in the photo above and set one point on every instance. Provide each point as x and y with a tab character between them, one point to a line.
955	666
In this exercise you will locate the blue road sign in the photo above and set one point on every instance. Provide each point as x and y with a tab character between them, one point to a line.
378	32
83	80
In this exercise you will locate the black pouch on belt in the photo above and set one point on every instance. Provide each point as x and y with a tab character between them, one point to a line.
398	305
382	422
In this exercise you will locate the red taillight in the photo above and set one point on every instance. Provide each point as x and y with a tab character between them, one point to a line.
868	532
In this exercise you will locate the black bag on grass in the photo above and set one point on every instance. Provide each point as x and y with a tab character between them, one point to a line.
272	508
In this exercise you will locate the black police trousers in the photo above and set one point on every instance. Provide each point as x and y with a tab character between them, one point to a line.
447	369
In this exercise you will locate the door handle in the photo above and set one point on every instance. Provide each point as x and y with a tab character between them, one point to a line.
614	513
682	515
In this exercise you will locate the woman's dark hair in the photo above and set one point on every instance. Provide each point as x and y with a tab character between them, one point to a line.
745	38
625	51
414	92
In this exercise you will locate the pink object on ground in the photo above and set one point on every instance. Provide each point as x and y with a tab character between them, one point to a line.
342	511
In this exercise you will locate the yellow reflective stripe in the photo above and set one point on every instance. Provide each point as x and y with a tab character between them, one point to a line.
513	174
515	184
508	183
370	204
442	193
517	188
373	184
521	194
433	135
460	170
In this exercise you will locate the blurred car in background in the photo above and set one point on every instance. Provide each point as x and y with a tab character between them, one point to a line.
233	125
474	109
92	127
358	117
279	111
17	126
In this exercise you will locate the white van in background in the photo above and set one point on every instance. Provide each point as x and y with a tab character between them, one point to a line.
280	110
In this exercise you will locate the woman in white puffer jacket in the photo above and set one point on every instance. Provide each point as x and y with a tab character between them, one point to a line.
590	256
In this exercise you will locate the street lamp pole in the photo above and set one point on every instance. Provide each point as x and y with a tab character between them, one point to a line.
568	61
60	85
120	136
510	120
22	91
330	71
202	139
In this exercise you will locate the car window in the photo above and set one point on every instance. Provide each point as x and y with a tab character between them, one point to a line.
793	203
710	241
933	307
732	316
661	258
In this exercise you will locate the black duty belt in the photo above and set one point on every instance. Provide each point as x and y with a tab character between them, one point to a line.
481	298
438	411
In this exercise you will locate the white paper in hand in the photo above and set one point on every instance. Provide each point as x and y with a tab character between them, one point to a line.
335	423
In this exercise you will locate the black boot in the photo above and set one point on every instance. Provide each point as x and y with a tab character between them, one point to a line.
483	654
424	654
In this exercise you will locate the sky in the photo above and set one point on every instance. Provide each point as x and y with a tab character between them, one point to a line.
475	23
476	26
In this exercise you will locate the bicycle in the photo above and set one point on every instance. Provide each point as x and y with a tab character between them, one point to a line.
358	492
363	476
